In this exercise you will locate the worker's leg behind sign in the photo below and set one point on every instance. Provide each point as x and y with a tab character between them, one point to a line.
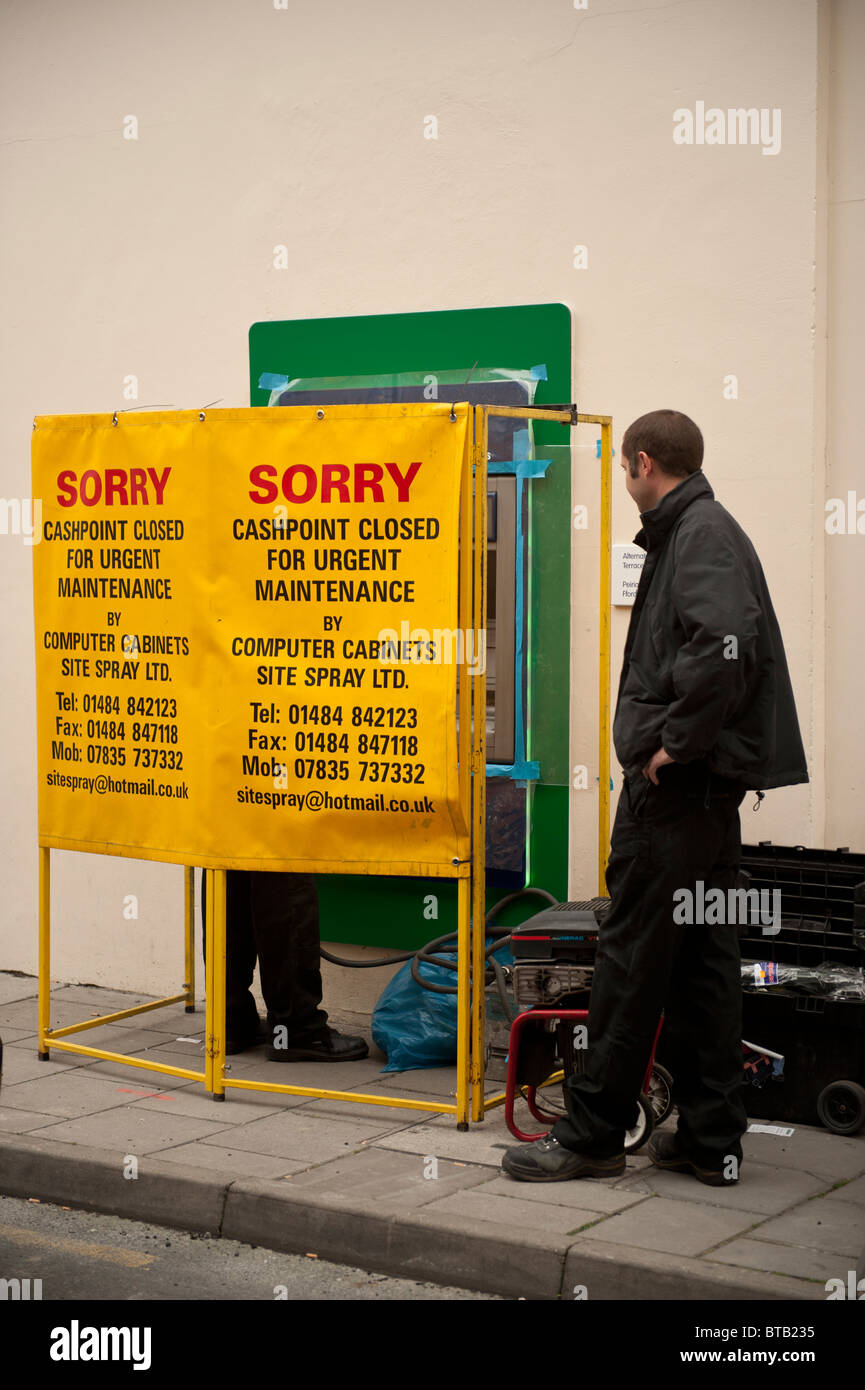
242	1025
285	923
274	916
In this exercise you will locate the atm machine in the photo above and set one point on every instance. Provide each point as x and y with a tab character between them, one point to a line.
504	356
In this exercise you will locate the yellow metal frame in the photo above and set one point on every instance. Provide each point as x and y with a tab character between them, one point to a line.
56	1037
566	417
471	876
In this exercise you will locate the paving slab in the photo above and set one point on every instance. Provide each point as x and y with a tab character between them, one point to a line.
331	1076
435	1082
515	1214
14	987
446	1141
589	1194
757	1191
194	1101
230	1164
749	1252
23	1121
190	1056
386	1181
105	1001
439	1082
129	1130
142	1077
172	1019
834	1226
598	1267
294	1135
359	1110
23	1014
849	1191
265	1101
75	1093
22	1064
109	1037
674	1228
811	1150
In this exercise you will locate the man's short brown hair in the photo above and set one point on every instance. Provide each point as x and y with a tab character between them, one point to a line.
668	437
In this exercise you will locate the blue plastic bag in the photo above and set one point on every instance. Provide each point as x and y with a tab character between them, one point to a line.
414	1027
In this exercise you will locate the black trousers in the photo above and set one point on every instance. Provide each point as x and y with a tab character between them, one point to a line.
665	838
273	916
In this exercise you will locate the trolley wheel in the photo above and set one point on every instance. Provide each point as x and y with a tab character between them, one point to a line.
635	1138
660	1093
841	1107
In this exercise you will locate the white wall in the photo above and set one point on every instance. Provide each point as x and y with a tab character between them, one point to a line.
305	126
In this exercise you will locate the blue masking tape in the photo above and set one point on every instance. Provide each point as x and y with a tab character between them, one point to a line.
518	772
538	373
598	450
522	443
519	468
272	381
519	609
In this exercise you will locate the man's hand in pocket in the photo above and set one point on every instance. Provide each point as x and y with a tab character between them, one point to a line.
659	759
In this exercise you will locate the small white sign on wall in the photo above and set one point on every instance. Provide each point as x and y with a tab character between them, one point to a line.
626	568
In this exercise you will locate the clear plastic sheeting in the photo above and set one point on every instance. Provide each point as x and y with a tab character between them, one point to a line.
510	386
828	981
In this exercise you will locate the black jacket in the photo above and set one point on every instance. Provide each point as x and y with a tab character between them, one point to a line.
704	672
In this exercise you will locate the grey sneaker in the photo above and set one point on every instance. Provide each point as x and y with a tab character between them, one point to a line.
547	1161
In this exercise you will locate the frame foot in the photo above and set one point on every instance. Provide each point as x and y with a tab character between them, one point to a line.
44	1056
463	1125
222	1097
189	1009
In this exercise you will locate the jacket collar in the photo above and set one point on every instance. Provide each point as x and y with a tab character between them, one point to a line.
658	522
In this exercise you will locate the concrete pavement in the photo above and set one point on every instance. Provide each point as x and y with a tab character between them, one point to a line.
396	1191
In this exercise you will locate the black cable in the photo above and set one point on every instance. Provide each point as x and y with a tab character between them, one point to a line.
493	973
502	937
366	964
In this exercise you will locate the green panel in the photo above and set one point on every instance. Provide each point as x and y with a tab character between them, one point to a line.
549	629
548	856
390	911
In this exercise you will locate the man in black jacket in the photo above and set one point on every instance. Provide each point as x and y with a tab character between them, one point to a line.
705	712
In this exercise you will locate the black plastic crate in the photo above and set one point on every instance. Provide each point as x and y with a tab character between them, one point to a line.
822	922
822	1042
824	890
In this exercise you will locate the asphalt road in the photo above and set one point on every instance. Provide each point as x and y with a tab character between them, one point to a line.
86	1257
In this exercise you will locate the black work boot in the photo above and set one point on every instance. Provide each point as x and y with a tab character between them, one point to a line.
665	1151
325	1046
546	1160
240	1038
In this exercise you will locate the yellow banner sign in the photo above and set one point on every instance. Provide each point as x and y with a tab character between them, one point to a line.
247	636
